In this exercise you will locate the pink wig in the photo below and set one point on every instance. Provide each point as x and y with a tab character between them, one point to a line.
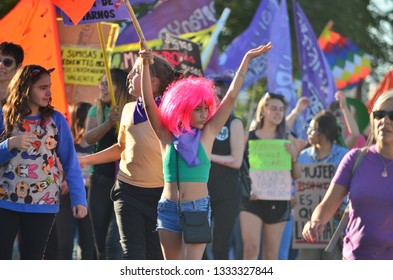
181	98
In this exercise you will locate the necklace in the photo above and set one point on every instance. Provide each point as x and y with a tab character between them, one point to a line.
384	172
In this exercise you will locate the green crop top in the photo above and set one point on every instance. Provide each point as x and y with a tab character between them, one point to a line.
199	173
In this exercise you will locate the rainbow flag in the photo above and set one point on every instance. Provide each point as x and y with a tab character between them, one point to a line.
348	62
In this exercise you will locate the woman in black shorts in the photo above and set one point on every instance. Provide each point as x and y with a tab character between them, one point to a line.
262	216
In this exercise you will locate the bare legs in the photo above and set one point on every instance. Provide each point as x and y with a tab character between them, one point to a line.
173	247
251	229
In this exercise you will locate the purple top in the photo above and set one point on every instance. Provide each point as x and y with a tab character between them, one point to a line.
369	233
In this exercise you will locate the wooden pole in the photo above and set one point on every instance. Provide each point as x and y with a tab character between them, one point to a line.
138	28
107	69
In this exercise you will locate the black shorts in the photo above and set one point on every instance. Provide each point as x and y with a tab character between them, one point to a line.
270	211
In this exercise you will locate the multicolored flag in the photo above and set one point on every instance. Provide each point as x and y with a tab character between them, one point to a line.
317	78
257	33
279	58
348	62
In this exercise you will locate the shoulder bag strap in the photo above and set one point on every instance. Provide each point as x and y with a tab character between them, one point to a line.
345	218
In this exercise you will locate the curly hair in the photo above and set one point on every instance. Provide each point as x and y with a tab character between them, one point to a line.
16	107
182	97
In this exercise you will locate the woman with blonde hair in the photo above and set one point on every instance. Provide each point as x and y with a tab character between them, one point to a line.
369	231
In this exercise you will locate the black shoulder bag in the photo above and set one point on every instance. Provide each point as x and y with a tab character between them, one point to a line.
195	225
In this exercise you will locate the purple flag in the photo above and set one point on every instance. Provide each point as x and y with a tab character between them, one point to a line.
257	33
101	11
172	16
317	79
134	2
279	58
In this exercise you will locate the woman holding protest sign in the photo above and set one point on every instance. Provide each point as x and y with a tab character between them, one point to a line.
261	213
326	152
369	231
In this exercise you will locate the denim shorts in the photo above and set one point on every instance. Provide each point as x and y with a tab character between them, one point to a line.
168	215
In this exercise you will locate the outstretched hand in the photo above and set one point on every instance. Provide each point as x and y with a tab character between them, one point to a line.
253	53
302	104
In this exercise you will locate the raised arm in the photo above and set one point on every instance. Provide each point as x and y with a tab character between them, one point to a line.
152	110
227	104
301	105
352	125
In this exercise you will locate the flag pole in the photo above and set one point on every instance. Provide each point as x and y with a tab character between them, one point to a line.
138	28
213	40
107	68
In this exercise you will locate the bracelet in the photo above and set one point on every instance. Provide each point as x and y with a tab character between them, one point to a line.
241	75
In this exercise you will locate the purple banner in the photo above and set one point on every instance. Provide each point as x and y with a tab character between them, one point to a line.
317	79
257	33
172	16
134	2
279	58
102	10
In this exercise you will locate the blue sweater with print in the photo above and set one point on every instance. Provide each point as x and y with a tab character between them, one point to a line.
30	179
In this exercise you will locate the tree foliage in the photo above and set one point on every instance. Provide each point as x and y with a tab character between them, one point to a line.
361	21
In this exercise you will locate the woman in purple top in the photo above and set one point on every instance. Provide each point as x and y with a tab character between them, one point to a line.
369	234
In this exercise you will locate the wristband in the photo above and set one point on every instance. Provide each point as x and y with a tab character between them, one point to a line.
241	75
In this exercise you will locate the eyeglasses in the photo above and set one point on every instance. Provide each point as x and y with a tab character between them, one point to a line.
103	84
338	114
7	62
378	115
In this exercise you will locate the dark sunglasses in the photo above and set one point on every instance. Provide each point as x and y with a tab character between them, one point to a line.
7	62
378	115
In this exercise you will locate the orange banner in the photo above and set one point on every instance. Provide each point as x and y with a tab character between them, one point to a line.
383	86
32	24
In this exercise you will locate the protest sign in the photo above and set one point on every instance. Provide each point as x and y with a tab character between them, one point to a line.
310	190
102	10
82	66
183	54
269	155
270	165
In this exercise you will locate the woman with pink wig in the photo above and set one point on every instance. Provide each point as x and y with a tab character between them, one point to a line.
186	124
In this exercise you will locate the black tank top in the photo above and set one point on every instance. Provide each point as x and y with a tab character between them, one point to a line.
223	181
